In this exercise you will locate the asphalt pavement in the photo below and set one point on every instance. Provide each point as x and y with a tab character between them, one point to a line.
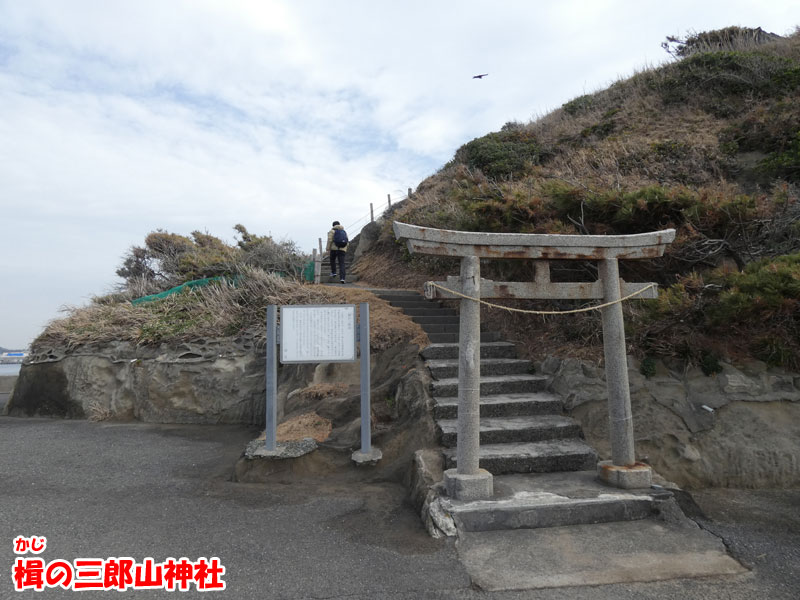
100	490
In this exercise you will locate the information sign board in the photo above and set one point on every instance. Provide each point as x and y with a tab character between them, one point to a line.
318	333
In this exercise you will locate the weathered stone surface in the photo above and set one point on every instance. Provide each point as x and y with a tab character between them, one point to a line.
738	428
576	382
365	240
684	391
636	476
427	469
292	449
369	458
43	391
207	381
163	385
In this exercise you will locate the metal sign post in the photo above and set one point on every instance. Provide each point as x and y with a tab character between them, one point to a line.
272	378
319	334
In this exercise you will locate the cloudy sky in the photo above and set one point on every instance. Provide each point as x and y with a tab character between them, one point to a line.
121	117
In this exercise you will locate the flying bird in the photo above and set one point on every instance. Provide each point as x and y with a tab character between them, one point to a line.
480	76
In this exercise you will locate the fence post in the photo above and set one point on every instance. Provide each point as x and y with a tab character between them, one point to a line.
371	215
409	193
272	378
389	199
317	258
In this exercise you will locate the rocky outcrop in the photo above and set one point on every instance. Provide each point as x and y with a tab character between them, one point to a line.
401	418
223	381
206	381
737	428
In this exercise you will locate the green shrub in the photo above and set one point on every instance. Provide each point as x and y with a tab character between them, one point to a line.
767	288
504	154
785	165
645	209
648	366
721	81
579	105
709	363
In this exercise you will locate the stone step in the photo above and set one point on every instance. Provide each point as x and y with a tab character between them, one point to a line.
552	500
502	405
486	336
326	278
447	368
400	295
452	338
439	327
488	350
404	304
531	457
494	384
438	319
505	430
430	312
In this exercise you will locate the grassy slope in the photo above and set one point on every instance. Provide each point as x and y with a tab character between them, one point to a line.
708	144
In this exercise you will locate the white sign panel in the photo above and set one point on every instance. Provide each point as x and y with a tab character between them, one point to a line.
314	333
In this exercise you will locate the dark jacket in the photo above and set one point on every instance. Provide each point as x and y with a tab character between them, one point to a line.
331	245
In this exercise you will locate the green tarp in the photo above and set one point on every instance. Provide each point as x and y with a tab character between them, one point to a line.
308	272
176	289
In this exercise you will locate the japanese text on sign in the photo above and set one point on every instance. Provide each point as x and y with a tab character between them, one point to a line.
318	333
115	573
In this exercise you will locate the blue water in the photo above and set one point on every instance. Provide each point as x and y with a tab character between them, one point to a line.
9	369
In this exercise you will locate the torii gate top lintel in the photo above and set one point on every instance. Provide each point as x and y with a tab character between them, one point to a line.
446	242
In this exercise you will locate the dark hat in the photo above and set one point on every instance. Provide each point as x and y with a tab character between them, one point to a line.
335	223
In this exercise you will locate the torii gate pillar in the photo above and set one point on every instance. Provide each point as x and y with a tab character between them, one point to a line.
622	470
468	481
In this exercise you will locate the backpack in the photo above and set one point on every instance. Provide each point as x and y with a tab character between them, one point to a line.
340	238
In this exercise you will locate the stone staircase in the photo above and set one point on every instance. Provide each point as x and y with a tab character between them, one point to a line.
522	429
325	270
544	470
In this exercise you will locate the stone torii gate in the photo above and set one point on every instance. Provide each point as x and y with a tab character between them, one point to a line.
468	481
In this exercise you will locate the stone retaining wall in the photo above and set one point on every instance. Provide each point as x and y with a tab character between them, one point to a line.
738	428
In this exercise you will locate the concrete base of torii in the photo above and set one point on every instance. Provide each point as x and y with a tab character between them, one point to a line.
460	486
635	476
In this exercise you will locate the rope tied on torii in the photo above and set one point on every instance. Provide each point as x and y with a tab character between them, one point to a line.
433	284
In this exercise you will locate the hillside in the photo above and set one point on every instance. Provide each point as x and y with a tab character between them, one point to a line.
708	143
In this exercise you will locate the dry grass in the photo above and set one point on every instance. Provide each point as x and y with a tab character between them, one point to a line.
308	425
98	412
319	391
388	325
218	310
